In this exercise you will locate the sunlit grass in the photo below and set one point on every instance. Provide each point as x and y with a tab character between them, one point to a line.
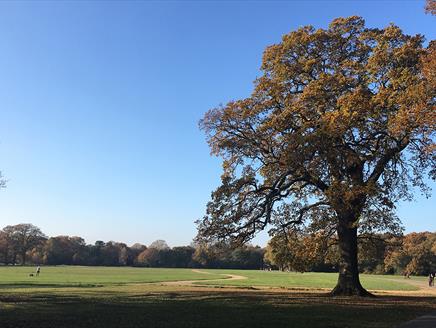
78	276
70	276
309	280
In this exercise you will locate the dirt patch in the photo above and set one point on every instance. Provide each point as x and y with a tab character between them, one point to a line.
194	282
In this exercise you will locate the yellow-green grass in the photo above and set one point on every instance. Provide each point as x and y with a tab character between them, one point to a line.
71	276
310	280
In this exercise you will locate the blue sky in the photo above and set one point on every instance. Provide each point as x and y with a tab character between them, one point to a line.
100	103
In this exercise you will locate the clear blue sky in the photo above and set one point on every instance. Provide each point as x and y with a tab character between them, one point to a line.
100	102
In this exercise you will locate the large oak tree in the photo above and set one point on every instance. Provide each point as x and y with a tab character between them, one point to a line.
339	127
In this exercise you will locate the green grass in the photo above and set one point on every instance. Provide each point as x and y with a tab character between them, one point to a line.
71	276
309	280
102	297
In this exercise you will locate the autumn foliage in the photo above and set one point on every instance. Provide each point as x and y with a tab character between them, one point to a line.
339	127
413	253
416	254
430	7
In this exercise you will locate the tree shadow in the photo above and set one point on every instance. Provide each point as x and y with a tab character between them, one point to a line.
208	309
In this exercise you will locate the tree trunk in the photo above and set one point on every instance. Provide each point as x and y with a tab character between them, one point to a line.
23	257
6	256
348	281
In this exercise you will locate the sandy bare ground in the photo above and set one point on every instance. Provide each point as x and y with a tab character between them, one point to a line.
193	282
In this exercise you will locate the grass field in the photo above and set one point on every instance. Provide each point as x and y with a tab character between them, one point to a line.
71	276
139	297
76	276
309	280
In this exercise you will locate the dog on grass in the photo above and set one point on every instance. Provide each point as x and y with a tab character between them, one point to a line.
30	274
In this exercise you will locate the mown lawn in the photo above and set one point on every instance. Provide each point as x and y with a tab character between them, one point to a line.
71	276
309	280
93	276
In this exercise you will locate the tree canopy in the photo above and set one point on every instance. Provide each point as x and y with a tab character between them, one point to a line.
430	7
22	238
339	127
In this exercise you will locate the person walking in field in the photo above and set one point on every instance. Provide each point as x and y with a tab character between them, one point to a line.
430	280
38	270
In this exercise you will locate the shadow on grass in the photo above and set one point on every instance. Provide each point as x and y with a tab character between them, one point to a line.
208	309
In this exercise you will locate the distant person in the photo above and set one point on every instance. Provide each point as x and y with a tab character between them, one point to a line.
38	270
430	280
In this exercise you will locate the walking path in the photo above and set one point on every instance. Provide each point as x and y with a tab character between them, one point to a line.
426	321
193	282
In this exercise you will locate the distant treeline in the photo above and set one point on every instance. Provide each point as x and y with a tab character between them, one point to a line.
26	244
414	253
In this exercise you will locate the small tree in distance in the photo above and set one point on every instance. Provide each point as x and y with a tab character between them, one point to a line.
338	128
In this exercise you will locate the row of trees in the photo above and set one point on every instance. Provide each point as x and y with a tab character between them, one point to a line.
414	253
27	244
